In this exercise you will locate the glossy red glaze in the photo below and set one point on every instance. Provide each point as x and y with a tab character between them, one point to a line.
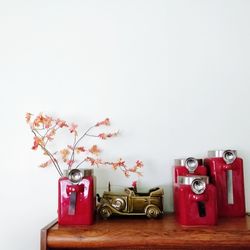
192	209
85	201
217	170
183	171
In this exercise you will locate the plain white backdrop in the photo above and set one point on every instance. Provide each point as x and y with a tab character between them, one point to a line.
173	76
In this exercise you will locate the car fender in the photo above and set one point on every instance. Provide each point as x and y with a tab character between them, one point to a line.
115	211
151	205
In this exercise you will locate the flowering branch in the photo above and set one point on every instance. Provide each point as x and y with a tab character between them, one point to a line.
45	129
76	143
52	158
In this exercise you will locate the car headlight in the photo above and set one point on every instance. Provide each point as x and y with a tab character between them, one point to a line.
119	204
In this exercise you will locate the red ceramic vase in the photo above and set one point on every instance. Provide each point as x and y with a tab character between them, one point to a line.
195	201
226	173
76	198
188	167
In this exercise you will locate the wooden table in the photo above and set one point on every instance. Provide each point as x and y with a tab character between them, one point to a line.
142	233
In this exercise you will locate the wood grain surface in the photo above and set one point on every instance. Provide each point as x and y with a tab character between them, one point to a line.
142	233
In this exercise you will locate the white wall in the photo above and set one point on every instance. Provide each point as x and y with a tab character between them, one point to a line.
172	75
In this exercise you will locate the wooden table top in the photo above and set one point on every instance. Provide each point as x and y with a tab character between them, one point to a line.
140	232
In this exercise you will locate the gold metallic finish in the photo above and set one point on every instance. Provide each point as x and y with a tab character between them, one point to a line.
130	202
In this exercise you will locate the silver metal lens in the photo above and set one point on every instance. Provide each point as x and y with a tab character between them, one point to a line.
191	164
229	156
219	153
75	176
187	180
198	186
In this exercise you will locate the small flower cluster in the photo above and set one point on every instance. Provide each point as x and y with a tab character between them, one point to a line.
45	129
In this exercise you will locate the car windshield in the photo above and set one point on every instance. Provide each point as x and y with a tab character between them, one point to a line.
130	191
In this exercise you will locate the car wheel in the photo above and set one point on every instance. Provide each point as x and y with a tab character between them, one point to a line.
105	212
152	212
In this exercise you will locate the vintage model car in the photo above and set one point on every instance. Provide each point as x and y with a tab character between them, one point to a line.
130	202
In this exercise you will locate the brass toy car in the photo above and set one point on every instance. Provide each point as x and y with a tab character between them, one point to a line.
130	202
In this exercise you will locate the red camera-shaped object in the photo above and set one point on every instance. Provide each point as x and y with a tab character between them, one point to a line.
195	201
226	173
76	198
188	167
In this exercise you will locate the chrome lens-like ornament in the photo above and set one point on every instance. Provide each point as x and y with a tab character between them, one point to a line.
198	186
187	180
75	176
191	164
229	156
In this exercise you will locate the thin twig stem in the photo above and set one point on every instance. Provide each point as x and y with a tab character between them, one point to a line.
53	159
78	165
92	135
49	129
76	143
35	131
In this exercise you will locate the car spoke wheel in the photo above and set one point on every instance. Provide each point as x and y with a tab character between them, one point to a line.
105	212
153	212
